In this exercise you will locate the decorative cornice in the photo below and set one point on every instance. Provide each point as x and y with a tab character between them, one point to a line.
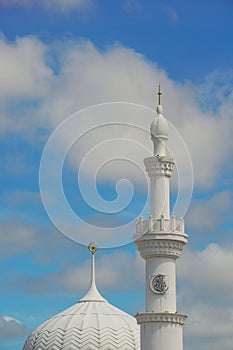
165	317
159	166
161	245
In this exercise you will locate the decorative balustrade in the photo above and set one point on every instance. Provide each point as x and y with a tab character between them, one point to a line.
160	225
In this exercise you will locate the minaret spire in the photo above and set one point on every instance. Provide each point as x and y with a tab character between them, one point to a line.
159	95
159	129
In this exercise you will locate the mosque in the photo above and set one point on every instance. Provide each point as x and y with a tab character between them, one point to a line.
93	323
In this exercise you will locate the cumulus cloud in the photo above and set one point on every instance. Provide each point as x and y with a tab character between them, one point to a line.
205	294
208	326
11	328
207	214
25	81
208	271
54	5
23	69
88	76
85	76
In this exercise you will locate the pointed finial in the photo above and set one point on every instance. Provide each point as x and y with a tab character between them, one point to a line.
92	294
159	95
92	247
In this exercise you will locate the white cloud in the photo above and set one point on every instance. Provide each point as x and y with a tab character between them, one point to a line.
23	69
89	76
209	271
25	81
205	294
208	326
11	328
207	214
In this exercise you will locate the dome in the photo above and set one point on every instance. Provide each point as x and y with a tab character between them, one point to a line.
159	126
159	133
92	323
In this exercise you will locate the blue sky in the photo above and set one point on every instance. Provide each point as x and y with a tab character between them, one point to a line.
59	57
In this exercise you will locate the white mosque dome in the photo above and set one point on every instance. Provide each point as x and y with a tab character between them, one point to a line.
92	323
159	126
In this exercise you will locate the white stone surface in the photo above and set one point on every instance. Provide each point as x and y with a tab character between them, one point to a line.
159	170
159	132
87	325
161	302
162	335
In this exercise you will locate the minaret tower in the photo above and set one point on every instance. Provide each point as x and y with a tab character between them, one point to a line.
160	241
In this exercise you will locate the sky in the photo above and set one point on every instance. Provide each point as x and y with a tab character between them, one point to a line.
78	81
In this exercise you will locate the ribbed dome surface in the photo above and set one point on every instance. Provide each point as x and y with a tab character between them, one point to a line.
90	324
87	325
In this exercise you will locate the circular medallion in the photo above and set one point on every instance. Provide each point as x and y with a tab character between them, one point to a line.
158	284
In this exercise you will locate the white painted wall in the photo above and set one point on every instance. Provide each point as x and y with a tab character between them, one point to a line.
161	336
161	302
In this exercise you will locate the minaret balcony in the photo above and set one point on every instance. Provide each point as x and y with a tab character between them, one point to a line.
159	226
160	238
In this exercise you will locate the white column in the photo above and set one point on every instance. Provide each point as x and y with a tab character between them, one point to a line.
159	170
160	246
161	302
157	333
161	325
160	201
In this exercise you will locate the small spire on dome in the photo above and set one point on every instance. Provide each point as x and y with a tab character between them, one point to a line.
93	293
159	95
159	129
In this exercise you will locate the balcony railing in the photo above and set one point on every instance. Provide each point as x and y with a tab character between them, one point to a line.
160	225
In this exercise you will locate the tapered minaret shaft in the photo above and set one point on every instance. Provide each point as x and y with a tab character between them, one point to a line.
160	241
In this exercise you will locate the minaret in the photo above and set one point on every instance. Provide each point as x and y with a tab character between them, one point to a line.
160	241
